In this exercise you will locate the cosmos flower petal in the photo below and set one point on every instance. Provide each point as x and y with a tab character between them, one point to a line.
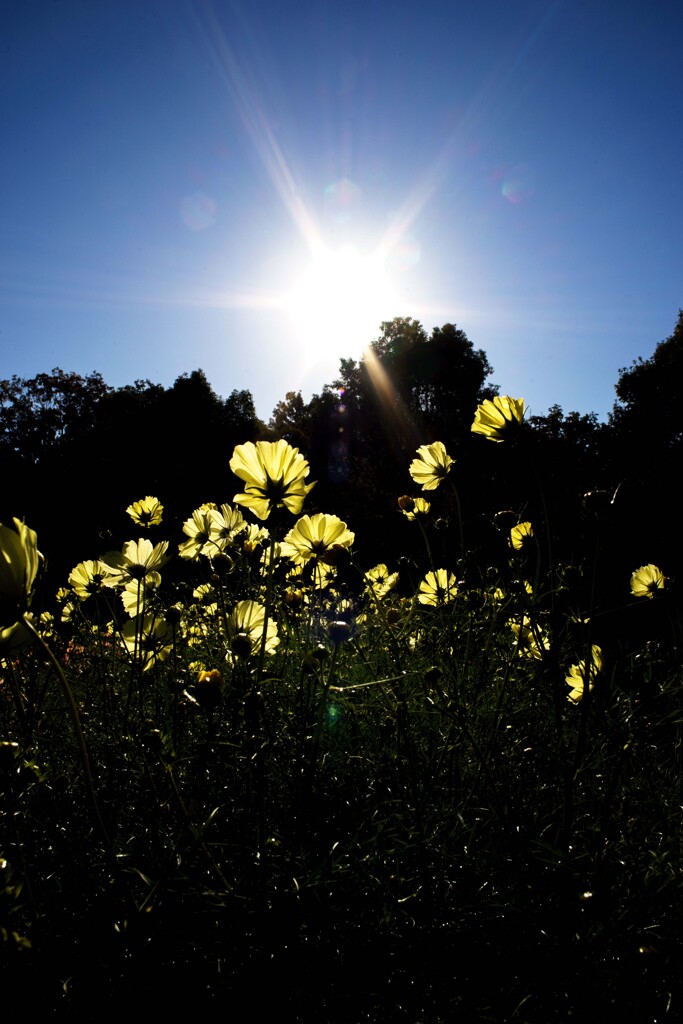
495	416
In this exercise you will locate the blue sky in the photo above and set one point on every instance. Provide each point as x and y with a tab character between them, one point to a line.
252	188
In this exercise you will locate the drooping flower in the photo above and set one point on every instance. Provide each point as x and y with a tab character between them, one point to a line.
520	535
647	580
13	636
253	537
432	466
245	629
379	581
19	561
414	508
438	588
576	677
496	416
146	512
274	474
88	578
320	536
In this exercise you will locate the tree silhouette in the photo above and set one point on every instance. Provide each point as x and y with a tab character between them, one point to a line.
646	447
649	404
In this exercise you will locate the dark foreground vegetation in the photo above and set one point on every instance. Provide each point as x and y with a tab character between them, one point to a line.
403	746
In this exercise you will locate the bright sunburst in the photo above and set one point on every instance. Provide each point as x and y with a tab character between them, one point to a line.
339	301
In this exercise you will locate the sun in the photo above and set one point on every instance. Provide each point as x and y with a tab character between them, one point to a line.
339	301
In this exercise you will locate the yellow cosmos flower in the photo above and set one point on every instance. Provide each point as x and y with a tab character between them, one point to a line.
414	508
151	638
438	588
647	580
137	560
319	536
88	578
274	473
245	629
225	523
495	416
520	535
19	561
135	594
379	581
198	531
432	466
576	677
531	642
323	575
146	512
252	537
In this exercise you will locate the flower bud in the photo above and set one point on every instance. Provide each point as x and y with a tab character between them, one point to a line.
339	632
208	689
174	614
241	645
294	597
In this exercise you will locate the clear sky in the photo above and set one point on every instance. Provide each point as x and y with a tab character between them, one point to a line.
252	187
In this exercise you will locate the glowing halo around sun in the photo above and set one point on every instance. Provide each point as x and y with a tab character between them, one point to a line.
339	301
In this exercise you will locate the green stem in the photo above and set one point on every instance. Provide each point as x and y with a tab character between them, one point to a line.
77	727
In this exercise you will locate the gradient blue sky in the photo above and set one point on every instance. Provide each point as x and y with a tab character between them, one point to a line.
250	188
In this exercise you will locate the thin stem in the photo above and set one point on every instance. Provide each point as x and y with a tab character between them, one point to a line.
77	727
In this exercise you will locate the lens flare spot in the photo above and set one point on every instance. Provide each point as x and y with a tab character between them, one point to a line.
332	714
341	199
518	185
198	211
406	254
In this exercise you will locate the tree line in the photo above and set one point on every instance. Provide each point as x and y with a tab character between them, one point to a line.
74	452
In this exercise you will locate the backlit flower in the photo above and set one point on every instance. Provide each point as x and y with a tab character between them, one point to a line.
576	677
495	416
432	466
379	581
323	575
146	512
19	560
647	580
414	508
88	578
274	474
245	629
320	536
225	523
253	537
135	594
520	535
137	560
198	531
531	641
150	638
438	588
